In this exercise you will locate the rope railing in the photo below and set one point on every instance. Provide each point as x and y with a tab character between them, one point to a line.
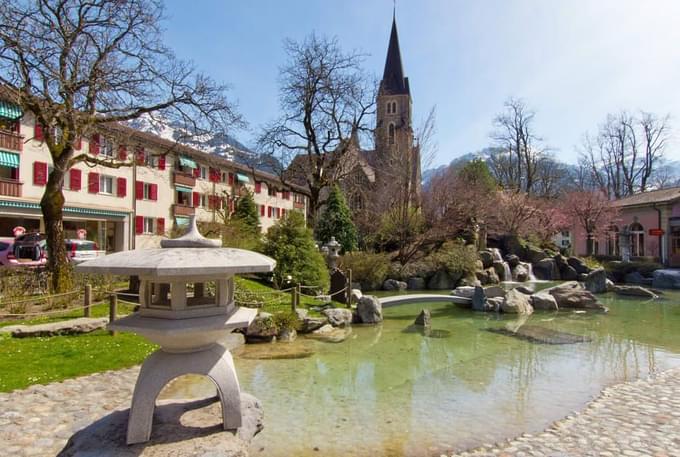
38	298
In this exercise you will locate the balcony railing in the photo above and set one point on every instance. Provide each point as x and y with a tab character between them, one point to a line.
184	179
10	187
11	141
182	210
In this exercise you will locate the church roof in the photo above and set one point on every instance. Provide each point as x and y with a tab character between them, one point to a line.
393	81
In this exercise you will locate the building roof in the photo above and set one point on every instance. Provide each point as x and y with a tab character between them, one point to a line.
650	198
393	80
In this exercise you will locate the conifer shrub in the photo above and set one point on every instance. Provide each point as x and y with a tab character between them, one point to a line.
336	221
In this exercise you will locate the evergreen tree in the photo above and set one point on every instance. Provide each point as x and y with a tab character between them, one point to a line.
336	221
298	259
246	213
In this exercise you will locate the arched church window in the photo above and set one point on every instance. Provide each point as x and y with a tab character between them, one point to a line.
390	134
389	107
394	107
637	239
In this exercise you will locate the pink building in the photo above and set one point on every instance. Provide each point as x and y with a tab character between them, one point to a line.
654	222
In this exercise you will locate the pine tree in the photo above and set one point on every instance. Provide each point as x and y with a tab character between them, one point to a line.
298	260
336	221
246	213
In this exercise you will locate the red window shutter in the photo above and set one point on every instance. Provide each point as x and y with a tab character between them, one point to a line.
121	185
231	179
161	162
78	143
38	131
153	192
269	211
196	197
17	126
93	183
94	144
258	187
262	210
139	225
139	155
160	226
75	179
139	190
213	175
283	212
197	172
39	173
122	152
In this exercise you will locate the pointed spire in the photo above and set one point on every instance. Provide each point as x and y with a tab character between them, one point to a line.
393	81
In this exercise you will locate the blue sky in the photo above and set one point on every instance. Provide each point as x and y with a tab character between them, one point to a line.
573	61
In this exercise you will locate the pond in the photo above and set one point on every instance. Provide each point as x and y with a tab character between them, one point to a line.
388	391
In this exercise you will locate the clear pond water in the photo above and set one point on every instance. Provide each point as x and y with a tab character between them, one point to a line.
386	391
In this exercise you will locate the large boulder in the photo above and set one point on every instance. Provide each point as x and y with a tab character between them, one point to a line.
463	291
596	281
330	334
487	276
534	254
516	303
526	290
338	317
578	265
568	273
369	310
309	324
471	281
442	280
512	260
393	284
356	295
487	259
171	437
546	269
499	268
635	291
635	277
415	283
544	301
666	279
495	291
520	273
479	299
424	319
572	295
262	328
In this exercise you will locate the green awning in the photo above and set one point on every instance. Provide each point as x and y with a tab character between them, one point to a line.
68	210
187	162
10	110
9	159
181	220
181	188
242	178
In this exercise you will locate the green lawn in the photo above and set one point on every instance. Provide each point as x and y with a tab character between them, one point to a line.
27	361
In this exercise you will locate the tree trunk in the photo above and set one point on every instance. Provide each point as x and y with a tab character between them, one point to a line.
590	244
52	205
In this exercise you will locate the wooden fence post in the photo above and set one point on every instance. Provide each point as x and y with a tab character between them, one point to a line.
113	309
87	301
293	298
348	289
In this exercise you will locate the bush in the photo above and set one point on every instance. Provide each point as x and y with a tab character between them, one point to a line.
286	320
246	214
368	268
298	260
336	221
455	258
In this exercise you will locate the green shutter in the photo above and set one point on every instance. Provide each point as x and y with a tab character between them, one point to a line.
187	162
242	178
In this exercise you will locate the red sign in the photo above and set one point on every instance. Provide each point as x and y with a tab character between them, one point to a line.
656	232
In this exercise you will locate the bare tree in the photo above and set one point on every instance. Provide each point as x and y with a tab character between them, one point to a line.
591	211
521	148
326	100
626	151
82	65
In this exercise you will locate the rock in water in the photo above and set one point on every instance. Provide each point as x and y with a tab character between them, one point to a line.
393	284
542	335
199	433
578	265
369	310
424	319
512	260
309	324
596	281
464	291
338	317
494	292
525	290
546	269
261	329
487	259
442	281
635	291
415	283
287	335
572	295
520	273
666	279
479	299
545	301
356	295
331	334
516	303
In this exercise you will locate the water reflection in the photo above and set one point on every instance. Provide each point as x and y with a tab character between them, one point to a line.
384	391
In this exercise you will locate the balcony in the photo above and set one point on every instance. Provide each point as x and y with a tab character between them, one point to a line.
184	179
11	141
182	210
10	187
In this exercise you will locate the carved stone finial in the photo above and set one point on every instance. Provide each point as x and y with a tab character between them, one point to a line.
191	239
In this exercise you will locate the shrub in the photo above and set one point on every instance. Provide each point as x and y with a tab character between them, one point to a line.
246	214
336	221
286	320
455	258
368	268
298	260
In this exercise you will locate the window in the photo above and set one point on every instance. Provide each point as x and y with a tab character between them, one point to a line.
105	184
148	191
637	239
271	191
356	202
204	200
183	198
565	234
392	107
106	147
224	176
390	134
299	198
148	225
565	243
204	173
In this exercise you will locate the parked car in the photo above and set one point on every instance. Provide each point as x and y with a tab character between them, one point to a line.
29	250
6	249
82	250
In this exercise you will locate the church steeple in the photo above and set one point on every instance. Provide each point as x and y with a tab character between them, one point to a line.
393	81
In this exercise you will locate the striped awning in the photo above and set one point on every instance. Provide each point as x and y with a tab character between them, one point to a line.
9	159
242	177
181	220
181	188
68	210
187	162
10	110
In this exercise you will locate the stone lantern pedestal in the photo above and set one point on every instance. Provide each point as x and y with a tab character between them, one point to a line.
186	306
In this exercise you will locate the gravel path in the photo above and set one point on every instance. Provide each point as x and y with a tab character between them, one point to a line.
640	418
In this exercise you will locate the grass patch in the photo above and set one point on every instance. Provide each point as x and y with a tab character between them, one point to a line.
100	309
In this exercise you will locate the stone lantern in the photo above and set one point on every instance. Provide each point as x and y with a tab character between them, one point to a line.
333	253
186	305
